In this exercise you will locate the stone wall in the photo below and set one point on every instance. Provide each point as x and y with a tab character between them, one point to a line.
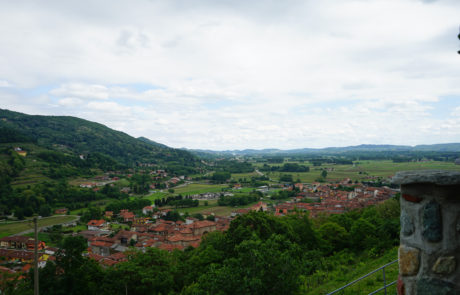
429	254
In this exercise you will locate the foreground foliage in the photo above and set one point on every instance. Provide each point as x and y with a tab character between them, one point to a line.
259	254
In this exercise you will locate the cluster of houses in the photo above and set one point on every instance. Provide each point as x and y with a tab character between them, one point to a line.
333	199
210	196
108	247
17	254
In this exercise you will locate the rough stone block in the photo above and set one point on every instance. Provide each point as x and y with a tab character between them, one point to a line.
411	198
458	225
407	226
400	286
432	222
444	265
439	177
409	260
428	286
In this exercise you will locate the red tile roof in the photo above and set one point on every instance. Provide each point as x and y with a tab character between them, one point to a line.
97	223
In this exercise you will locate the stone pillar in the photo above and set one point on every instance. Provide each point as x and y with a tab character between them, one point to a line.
429	254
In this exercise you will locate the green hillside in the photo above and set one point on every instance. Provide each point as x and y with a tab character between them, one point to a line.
75	136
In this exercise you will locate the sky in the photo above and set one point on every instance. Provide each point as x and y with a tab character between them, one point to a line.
239	74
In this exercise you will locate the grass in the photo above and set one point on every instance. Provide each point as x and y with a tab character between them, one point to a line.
17	227
199	188
363	170
154	196
97	203
237	176
344	274
213	208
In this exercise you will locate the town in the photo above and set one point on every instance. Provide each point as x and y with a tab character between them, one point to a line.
111	237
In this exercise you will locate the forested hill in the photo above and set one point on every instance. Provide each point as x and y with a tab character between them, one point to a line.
77	136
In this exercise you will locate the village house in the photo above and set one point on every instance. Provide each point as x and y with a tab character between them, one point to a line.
100	224
241	211
20	151
88	234
125	190
22	256
126	215
174	180
260	206
21	242
124	237
202	227
61	211
101	245
108	214
147	209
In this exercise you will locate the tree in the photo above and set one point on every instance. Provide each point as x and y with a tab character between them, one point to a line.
286	178
45	210
91	213
324	173
71	273
221	176
19	213
335	235
362	233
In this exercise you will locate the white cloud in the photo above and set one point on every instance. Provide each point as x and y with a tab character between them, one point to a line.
70	102
4	84
81	91
239	73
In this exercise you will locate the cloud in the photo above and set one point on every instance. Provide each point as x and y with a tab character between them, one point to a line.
81	91
70	102
4	84
238	73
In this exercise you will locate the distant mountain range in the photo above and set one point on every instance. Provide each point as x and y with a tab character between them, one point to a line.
445	147
71	135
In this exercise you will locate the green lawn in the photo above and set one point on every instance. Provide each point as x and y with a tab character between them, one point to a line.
212	208
237	176
152	197
199	188
17	227
77	228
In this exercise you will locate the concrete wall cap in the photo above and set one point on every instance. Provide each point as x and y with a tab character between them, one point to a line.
439	177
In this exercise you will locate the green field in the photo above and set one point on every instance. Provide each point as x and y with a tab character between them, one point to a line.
362	170
153	197
20	226
199	188
237	176
212	208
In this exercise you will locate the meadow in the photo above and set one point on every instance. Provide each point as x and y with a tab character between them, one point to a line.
7	229
362	170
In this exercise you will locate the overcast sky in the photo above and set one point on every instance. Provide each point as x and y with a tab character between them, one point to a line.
239	74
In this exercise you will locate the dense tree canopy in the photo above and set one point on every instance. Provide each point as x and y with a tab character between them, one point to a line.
259	254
